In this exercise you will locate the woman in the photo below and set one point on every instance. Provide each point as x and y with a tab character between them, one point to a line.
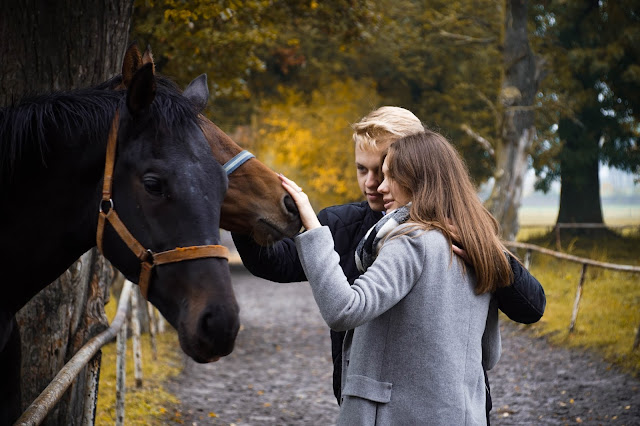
419	346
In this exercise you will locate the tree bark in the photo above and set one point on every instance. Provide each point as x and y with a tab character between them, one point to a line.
48	46
579	174
519	86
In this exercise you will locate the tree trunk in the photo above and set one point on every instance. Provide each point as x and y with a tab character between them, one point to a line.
579	173
519	86
49	46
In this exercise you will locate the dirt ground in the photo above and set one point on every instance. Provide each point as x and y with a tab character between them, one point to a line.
280	373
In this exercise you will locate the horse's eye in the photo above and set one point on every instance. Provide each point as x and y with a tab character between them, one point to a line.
153	185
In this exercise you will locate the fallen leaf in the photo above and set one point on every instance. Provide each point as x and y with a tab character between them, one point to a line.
212	414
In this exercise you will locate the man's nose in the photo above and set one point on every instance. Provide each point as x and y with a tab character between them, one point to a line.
372	181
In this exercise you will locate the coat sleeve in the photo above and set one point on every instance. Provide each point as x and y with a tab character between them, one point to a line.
386	282
491	341
278	262
524	300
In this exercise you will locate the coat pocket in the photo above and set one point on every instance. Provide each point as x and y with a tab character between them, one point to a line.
362	398
367	388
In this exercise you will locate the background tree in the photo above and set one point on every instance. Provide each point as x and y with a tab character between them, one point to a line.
246	47
592	99
519	86
57	46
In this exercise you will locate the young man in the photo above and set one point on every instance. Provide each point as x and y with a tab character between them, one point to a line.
523	301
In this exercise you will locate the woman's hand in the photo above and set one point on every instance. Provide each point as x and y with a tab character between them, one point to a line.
308	216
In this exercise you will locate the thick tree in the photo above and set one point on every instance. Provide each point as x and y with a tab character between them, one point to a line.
59	46
592	100
520	84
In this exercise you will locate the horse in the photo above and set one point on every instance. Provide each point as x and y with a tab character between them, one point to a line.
132	172
256	203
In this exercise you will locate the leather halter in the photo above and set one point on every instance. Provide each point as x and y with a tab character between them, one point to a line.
148	259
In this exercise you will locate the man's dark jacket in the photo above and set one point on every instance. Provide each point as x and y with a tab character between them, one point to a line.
523	301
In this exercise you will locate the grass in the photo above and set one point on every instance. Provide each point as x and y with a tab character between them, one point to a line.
609	312
151	404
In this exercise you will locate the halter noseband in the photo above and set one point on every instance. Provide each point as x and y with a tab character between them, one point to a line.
148	259
237	161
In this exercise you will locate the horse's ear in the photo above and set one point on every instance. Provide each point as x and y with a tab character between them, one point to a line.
131	63
142	89
198	92
147	57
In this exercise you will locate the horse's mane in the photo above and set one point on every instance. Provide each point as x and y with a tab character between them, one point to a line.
25	123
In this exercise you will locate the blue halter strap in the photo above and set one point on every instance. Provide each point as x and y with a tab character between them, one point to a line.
237	161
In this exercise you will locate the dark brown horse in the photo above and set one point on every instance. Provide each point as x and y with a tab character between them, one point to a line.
58	150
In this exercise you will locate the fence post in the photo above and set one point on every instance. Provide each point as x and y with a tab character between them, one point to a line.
527	259
121	373
636	342
135	325
161	323
558	244
152	330
576	303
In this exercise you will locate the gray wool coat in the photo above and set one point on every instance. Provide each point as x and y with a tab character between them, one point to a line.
421	335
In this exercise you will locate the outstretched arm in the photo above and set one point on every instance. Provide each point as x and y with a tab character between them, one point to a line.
278	262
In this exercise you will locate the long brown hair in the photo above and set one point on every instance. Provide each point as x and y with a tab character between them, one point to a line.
429	168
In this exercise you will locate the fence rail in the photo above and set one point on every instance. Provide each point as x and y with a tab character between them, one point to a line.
40	407
585	263
89	354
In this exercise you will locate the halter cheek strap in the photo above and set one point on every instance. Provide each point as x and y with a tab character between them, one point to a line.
237	161
148	259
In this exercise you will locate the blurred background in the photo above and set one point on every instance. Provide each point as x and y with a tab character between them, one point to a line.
541	98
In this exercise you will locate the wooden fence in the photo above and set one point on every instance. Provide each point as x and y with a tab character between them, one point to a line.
585	263
90	354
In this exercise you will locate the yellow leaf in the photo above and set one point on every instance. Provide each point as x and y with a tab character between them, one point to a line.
212	414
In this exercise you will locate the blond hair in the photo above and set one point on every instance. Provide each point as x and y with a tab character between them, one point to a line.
381	127
429	168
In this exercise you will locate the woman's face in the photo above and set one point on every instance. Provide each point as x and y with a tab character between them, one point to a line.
392	195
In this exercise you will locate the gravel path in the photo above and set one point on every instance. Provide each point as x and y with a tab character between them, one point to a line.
280	372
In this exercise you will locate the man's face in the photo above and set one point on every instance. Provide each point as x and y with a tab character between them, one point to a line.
368	169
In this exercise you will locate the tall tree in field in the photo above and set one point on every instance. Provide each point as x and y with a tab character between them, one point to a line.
592	99
59	46
517	129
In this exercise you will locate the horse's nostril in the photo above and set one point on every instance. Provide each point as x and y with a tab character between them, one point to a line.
219	326
290	205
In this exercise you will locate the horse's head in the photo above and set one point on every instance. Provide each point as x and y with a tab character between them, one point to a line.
256	203
167	191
